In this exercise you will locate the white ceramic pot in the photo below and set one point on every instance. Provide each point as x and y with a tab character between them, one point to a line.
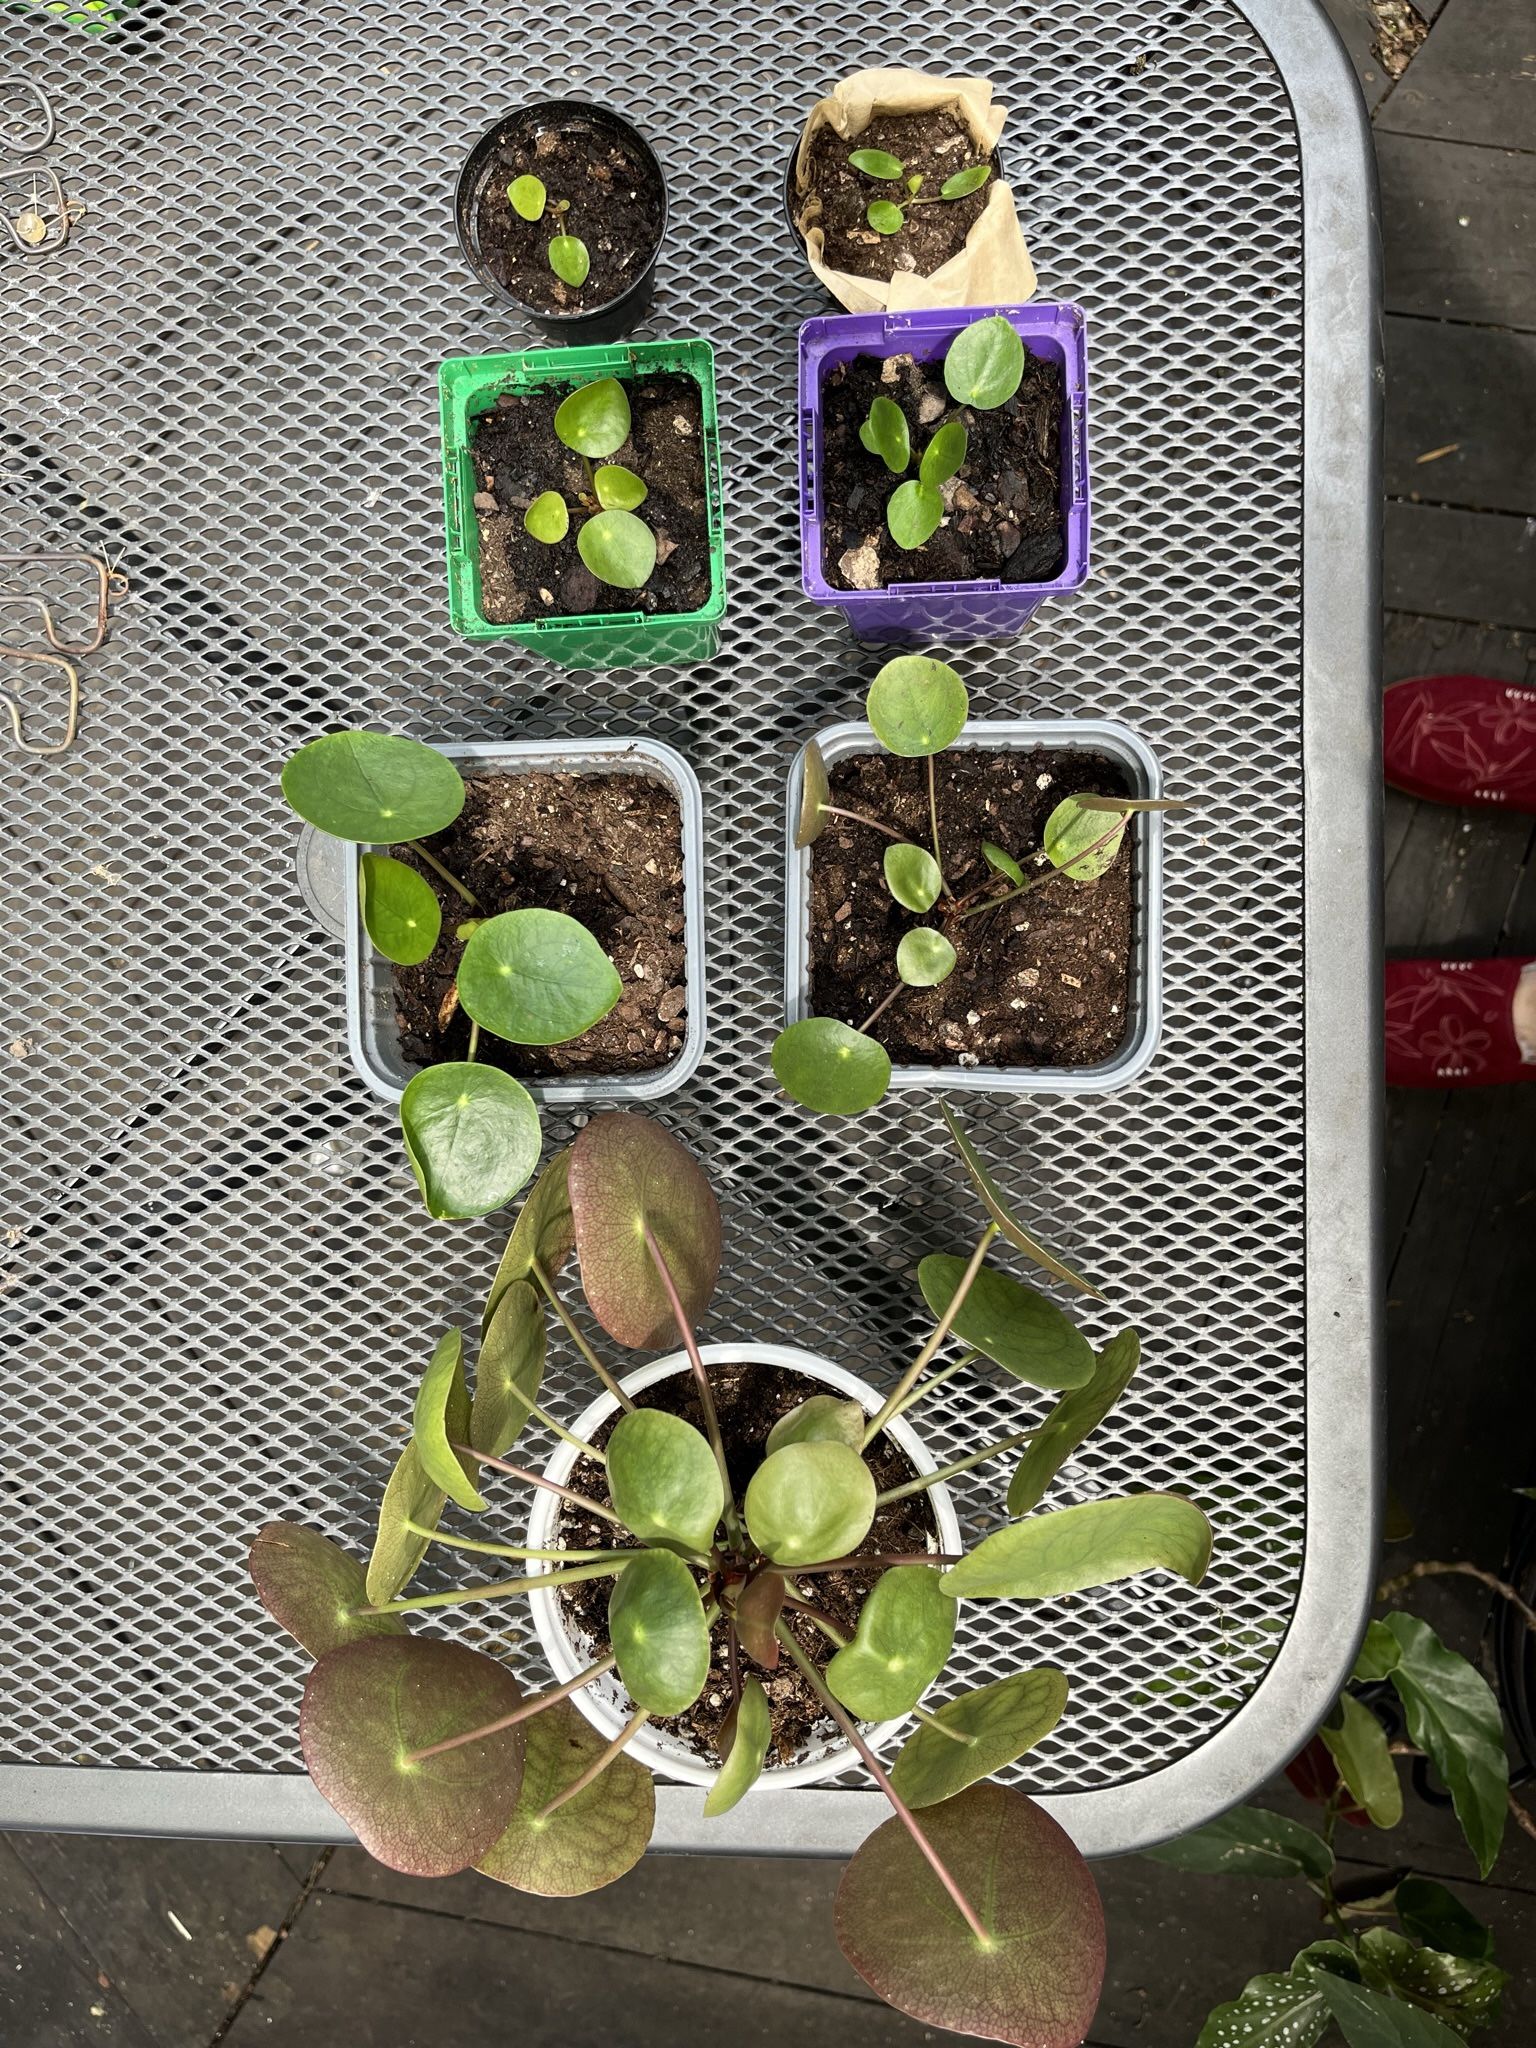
605	1703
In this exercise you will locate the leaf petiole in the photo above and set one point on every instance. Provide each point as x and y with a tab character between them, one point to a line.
524	1712
500	1589
927	1479
941	1330
437	867
569	1326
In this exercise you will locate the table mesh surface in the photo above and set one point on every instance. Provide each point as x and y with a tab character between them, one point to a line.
218	1285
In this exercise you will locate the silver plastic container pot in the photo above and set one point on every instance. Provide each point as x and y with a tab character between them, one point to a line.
1144	1007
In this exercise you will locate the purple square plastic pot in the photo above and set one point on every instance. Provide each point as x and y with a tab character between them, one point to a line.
1049	328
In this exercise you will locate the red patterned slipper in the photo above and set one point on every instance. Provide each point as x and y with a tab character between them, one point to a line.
1461	740
1450	1023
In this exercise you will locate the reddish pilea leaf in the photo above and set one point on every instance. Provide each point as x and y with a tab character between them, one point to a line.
627	1177
757	1616
368	1705
1037	1985
591	1840
313	1589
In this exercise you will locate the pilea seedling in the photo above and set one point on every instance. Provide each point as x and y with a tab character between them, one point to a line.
918	706
594	421
888	214
983	368
533	977
567	255
970	1908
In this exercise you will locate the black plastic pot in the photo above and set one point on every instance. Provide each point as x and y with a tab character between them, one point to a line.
609	322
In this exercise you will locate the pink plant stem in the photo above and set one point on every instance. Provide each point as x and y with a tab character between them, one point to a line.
538	1479
525	1712
942	1329
701	1377
597	1766
849	1564
882	1006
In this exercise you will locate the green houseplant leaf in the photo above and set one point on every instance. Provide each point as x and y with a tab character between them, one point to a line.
819	1419
1454	1718
913	876
543	1235
1072	1421
924	957
373	788
313	1589
629	1177
984	364
1090	1545
369	1705
594	418
659	1635
444	1394
1002	863
1002	1213
758	1608
815	796
400	912
1248	1842
527	196
1368	2020
1037	1985
913	513
1434	1915
618	548
1075	841
916	705
829	1067
1272	2011
471	1134
885	217
884	433
508	1371
548	518
595	1837
617	488
999	1724
944	455
905	1630
1461	1992
810	1502
1378	1653
744	1746
959	183
411	1503
877	163
536	977
570	259
1014	1325
663	1480
1358	1746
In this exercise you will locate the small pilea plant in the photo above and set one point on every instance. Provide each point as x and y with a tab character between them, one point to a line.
918	706
970	1908
593	421
983	367
888	214
567	255
533	977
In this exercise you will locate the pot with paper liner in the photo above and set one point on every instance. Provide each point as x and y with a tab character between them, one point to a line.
737	1536
896	189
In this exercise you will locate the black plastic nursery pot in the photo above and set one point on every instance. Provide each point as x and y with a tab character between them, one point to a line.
481	209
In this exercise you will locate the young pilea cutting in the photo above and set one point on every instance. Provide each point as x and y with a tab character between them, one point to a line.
983	367
593	421
888	216
533	977
918	706
970	1908
567	255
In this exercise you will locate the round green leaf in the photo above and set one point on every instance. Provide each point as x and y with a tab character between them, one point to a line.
885	217
548	518
569	259
368	1705
536	977
1036	1984
618	488
527	195
815	795
913	513
924	957
659	1635
984	365
471	1134
443	1392
959	183
618	548
745	1747
944	455
663	1480
913	877
593	1838
629	1177
1002	863
1358	1746
809	1502
877	163
1014	1325
820	1419
543	1234
373	787
1000	1723
411	1503
901	1644
1076	1415
1091	1545
830	1067
400	912
1083	844
508	1371
885	434
594	418
313	1589
917	705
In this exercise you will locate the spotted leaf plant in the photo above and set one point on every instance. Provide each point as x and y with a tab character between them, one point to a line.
918	706
532	977
593	421
903	190
970	1908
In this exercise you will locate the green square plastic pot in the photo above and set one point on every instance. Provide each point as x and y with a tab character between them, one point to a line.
469	386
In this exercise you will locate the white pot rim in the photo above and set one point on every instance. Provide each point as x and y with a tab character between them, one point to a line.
601	1702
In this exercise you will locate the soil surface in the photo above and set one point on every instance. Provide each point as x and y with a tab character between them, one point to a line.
606	849
1043	981
517	456
615	208
837	197
749	1399
1003	510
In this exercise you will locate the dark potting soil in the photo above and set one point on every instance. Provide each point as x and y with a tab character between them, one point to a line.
1003	510
608	850
615	208
517	456
749	1400
837	196
1043	981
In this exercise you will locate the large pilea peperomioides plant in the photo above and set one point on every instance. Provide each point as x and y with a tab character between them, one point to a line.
970	1907
593	421
533	977
917	707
